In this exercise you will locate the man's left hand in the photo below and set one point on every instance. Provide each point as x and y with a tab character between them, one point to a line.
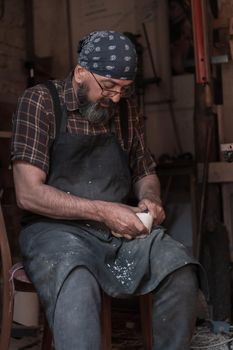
154	206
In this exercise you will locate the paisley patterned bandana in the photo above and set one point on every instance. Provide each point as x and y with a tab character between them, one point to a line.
109	54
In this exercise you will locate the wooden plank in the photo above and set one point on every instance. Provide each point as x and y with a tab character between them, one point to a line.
220	23
227	197
219	172
231	36
5	134
231	26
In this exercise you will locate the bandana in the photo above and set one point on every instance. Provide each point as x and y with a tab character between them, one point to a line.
108	53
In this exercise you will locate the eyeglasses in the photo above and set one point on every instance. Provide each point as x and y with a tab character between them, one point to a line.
126	91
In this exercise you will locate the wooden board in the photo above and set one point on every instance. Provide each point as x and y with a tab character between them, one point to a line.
219	172
5	134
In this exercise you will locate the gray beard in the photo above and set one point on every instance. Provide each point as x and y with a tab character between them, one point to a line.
93	111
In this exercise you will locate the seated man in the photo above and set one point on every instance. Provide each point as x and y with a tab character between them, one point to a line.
75	159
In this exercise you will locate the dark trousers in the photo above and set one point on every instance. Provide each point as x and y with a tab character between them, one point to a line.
77	313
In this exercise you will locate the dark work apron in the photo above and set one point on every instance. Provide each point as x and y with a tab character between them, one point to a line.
94	167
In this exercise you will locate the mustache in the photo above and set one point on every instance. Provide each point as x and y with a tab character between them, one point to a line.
105	103
83	99
100	111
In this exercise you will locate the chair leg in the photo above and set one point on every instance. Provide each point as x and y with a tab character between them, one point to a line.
146	319
106	321
47	337
7	314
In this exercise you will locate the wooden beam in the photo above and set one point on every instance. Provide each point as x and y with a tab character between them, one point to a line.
219	172
5	134
227	195
220	23
231	36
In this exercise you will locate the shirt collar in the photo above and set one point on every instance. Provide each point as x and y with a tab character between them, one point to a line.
71	100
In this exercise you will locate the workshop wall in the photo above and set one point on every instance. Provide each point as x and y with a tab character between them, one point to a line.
12	50
57	30
51	36
225	14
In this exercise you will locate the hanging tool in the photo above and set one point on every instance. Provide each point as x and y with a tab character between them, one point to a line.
231	36
201	49
202	75
202	78
204	182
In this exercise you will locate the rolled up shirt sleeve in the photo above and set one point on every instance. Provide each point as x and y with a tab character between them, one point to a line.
31	134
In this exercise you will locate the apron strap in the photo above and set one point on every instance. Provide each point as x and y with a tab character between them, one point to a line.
124	121
60	114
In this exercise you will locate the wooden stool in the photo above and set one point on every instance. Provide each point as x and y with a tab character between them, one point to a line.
145	318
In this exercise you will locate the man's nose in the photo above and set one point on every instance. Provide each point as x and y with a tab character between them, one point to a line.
116	98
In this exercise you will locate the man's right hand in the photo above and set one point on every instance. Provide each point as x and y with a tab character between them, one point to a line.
123	221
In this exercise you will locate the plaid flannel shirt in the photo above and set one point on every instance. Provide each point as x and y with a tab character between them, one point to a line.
33	128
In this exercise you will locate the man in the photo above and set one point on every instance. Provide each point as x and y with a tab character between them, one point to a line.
73	171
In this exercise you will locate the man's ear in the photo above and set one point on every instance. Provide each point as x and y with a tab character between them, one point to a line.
79	74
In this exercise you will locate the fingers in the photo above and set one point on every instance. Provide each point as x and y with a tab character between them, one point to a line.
123	222
135	209
142	206
160	217
155	209
118	235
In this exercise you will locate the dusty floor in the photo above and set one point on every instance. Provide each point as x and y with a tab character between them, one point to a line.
130	339
126	335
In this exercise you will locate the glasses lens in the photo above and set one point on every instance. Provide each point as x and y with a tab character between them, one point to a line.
128	91
108	93
125	92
